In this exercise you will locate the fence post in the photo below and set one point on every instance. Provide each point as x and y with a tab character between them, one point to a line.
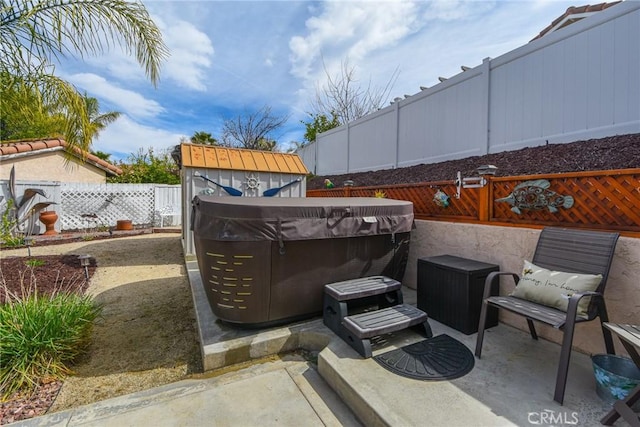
484	200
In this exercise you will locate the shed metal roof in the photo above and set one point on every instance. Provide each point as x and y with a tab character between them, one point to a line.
212	157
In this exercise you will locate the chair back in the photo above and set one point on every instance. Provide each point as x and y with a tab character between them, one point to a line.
577	251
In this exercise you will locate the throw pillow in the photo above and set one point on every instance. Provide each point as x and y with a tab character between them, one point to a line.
553	288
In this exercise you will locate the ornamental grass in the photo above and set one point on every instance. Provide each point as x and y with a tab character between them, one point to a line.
40	337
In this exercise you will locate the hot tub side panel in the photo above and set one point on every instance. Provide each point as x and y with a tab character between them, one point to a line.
299	274
236	277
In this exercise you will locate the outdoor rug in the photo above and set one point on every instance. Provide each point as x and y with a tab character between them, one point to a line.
437	358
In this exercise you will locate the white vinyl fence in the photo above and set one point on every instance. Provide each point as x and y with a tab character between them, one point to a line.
577	83
83	206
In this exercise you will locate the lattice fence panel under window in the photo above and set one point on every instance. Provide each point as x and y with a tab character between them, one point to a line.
93	206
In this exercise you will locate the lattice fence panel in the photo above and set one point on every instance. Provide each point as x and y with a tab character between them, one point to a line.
609	201
421	195
90	206
602	199
333	192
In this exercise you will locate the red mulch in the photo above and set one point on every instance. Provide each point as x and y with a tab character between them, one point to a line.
24	407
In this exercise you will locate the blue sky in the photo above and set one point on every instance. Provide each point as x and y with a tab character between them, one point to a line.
231	57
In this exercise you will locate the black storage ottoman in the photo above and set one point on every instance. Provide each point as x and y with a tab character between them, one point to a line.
450	290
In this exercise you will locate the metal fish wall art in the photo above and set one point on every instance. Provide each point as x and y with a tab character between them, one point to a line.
535	195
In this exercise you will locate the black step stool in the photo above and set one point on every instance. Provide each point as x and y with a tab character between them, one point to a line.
357	329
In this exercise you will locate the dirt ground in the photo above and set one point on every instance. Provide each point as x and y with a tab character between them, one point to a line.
146	335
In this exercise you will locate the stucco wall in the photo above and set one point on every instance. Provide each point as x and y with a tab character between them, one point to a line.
508	247
51	167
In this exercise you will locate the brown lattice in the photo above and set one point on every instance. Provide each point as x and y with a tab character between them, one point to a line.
600	201
603	199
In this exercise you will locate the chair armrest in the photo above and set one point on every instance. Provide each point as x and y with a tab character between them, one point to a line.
572	307
495	275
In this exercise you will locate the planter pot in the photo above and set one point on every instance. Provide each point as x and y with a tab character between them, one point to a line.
49	218
616	376
124	224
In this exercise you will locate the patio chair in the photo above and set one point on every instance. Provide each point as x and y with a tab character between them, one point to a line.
561	250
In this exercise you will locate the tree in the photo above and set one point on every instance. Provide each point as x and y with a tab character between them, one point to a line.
97	120
148	168
23	112
343	97
319	123
34	33
102	155
253	130
203	138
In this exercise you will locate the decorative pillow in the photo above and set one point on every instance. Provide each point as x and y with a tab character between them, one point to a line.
553	288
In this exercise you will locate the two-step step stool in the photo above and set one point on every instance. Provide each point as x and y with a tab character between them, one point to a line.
391	314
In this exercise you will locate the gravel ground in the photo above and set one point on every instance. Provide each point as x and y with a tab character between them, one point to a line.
146	335
616	152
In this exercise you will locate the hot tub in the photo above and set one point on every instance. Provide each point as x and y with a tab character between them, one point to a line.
265	261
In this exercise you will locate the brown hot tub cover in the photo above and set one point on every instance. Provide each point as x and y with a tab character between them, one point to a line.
266	260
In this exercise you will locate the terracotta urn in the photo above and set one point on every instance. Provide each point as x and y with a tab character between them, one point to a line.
49	218
124	224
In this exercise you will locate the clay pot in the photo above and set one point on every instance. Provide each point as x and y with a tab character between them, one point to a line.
49	218
124	224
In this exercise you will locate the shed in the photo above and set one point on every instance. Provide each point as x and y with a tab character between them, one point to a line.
234	172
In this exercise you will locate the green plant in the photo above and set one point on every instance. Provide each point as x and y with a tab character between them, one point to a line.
35	263
40	336
7	225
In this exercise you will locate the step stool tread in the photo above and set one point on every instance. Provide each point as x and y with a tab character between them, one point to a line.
390	319
361	288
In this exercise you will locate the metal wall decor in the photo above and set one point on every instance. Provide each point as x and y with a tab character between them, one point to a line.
251	182
441	199
535	195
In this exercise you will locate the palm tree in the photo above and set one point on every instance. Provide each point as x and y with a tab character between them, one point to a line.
98	120
35	32
203	138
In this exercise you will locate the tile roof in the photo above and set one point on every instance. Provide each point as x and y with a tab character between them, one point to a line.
212	157
573	14
33	146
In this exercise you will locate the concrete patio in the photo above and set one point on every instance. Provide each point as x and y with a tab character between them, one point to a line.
511	385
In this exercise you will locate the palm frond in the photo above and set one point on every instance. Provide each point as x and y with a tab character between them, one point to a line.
48	29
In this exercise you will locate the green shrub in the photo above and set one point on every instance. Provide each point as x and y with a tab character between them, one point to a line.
40	336
7	225
34	263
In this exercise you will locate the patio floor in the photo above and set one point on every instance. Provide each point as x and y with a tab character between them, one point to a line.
512	384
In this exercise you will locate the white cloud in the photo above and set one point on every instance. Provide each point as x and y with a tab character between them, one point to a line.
191	52
127	101
125	136
350	29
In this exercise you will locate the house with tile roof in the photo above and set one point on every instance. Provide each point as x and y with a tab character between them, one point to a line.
52	160
573	14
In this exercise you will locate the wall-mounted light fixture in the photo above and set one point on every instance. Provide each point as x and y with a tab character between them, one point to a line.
84	262
487	170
